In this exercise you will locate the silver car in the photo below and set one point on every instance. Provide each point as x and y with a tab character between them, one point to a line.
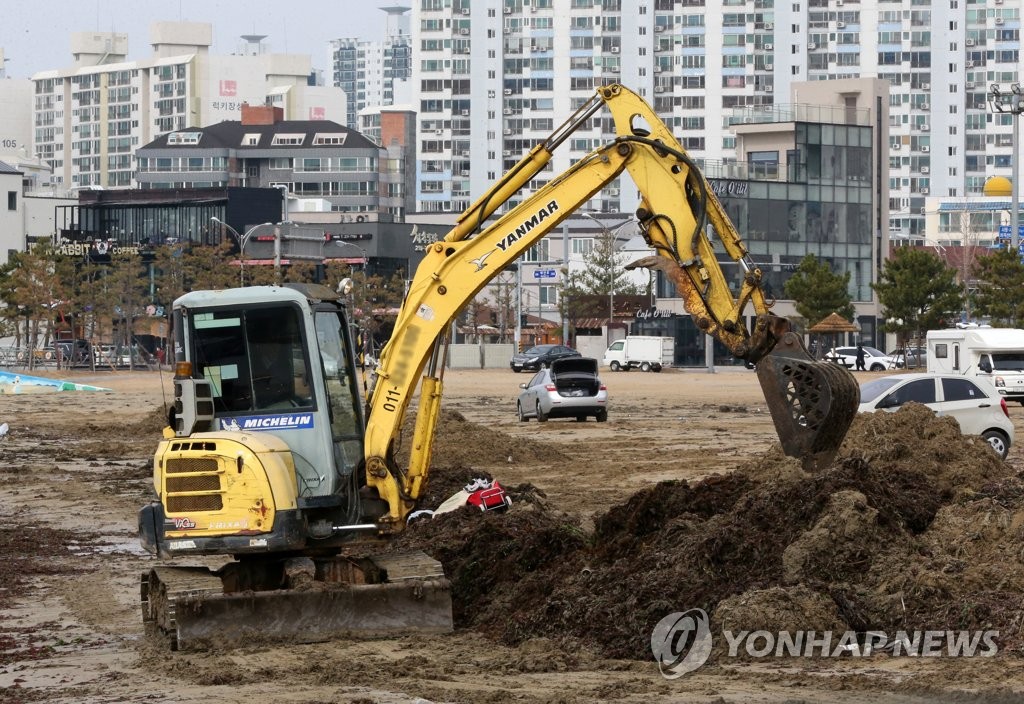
973	402
569	388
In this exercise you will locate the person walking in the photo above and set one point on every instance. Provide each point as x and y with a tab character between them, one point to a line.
860	358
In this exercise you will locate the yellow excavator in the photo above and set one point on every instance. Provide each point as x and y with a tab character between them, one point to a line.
275	462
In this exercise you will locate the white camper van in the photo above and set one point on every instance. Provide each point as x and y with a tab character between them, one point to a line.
996	354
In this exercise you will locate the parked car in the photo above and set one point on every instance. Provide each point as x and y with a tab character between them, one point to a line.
540	356
570	388
874	359
972	401
916	357
74	353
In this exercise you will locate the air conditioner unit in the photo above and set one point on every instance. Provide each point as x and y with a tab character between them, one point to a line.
926	128
896	147
465	154
465	172
812	46
924	192
467	50
613	191
926	149
465	10
508	10
926	169
926	106
769	25
465	113
507	111
970	64
615	50
970	42
769	67
464	30
769	47
533	9
769	89
507	91
507	152
659	28
924	211
999	20
439	132
507	132
969	84
840	25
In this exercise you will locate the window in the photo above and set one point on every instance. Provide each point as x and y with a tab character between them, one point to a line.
921	391
184	138
288	139
330	138
960	390
537	253
12	200
582	245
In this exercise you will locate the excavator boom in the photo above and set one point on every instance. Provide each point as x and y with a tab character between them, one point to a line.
812	403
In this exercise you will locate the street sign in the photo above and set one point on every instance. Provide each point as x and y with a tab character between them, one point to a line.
1004	233
544	274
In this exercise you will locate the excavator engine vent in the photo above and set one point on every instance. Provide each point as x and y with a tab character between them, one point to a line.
188	465
192	484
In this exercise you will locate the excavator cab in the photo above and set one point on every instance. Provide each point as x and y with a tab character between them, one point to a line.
263	462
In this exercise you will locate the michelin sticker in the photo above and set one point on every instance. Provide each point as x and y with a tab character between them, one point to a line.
281	421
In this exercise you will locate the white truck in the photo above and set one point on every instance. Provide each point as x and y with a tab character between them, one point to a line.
646	352
997	354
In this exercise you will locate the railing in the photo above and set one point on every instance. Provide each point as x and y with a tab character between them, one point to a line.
801	112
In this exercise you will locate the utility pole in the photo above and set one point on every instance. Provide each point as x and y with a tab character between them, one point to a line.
1012	103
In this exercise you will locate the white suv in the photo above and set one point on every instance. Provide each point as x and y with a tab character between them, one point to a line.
875	360
973	402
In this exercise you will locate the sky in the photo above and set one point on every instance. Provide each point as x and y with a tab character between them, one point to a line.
36	34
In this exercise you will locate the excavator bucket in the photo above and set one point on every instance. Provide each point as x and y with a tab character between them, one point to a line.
812	403
194	608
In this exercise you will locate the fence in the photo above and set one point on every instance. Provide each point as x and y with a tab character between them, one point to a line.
480	356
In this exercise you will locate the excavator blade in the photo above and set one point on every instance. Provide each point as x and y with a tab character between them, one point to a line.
812	403
188	607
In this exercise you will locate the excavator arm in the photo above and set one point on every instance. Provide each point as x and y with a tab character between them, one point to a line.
811	405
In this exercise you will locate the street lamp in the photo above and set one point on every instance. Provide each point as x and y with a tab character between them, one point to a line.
1012	103
343	243
242	239
612	234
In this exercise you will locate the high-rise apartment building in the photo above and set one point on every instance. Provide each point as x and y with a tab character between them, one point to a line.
88	119
493	78
374	74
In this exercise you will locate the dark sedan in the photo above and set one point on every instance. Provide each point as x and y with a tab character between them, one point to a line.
540	356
